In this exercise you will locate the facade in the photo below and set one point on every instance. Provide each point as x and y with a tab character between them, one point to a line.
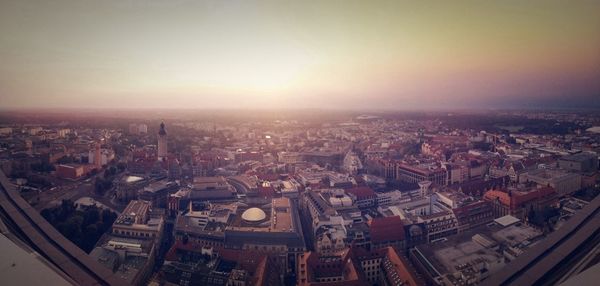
70	171
469	213
389	198
136	221
211	188
357	266
414	174
289	157
128	186
518	203
582	162
335	269
100	157
473	215
439	225
387	231
272	228
564	183
157	193
363	196
352	163
131	248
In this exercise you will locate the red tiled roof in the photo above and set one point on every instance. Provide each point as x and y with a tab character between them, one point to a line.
268	177
516	198
362	192
403	268
386	229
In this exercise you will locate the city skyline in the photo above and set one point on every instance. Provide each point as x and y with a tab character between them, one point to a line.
299	143
339	55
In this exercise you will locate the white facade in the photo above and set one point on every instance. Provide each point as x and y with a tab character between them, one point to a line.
352	163
106	155
5	130
389	198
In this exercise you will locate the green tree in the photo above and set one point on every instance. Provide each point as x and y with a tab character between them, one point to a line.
91	216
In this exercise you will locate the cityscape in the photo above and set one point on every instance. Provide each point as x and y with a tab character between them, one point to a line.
301	143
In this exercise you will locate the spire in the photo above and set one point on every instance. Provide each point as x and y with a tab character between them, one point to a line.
162	130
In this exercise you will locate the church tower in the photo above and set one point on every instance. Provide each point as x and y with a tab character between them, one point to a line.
162	143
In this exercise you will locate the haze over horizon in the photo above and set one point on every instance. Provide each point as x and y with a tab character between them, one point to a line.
330	54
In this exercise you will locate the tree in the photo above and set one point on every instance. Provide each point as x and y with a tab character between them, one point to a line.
48	215
91	216
121	166
101	185
108	217
90	237
82	227
72	229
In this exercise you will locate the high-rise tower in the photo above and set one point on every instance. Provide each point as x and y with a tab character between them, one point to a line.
97	156
162	142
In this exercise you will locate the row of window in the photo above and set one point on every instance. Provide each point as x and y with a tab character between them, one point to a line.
134	233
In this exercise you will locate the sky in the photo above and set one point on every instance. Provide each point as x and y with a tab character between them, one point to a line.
300	54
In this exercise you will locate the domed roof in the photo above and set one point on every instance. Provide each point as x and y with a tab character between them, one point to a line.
254	215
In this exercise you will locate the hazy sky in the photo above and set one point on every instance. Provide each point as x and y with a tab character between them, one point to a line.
330	54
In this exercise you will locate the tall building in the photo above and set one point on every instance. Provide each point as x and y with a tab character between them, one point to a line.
162	142
97	158
129	251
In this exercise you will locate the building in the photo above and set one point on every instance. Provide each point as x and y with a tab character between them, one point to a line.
352	163
96	157
364	197
143	128
416	174
70	171
5	130
271	228
439	225
357	266
387	231
137	221
469	212
162	143
473	214
128	186
471	257
517	203
582	162
130	249
232	269
565	257
389	198
248	156
157	193
564	183
135	129
211	188
289	157
99	156
334	269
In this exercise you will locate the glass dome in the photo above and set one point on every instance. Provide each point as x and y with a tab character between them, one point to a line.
254	215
